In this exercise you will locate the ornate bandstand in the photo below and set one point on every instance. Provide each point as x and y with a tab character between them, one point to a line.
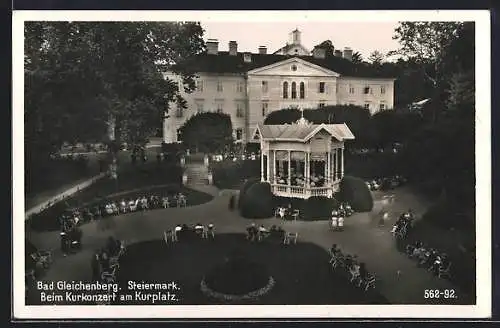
302	159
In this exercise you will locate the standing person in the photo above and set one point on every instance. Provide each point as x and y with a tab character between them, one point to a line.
334	220
231	203
340	222
95	265
64	242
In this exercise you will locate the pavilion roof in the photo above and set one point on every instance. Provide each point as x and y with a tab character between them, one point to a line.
302	132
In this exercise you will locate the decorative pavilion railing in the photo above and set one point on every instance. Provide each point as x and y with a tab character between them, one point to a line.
304	192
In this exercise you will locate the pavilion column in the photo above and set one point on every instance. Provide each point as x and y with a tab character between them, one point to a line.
328	168
305	167
336	164
268	166
325	167
274	167
261	167
289	168
342	162
308	169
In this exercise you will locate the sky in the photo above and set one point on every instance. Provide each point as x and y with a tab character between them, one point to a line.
364	37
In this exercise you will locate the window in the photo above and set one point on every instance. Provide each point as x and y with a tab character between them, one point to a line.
179	135
367	106
285	90
239	86
382	89
199	107
265	87
302	90
321	105
294	67
351	89
199	86
239	110
294	90
239	134
322	87
179	111
265	108
366	90
382	106
220	107
219	86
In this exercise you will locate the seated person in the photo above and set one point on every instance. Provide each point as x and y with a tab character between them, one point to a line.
144	202
165	202
341	222
123	205
334	249
211	227
199	227
262	229
282	212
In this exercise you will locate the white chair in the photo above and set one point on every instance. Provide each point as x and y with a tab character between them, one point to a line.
296	214
110	276
43	258
290	236
370	281
168	236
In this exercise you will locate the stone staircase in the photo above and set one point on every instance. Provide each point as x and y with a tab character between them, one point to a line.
197	174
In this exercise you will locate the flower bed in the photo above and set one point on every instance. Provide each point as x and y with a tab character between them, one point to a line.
237	279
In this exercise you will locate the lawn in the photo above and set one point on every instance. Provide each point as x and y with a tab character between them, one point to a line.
132	182
302	272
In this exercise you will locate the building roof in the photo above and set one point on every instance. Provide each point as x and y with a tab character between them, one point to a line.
225	63
302	132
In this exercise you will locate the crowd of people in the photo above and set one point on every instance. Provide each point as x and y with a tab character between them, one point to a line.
354	269
403	225
315	180
387	183
125	205
434	261
259	233
189	232
338	216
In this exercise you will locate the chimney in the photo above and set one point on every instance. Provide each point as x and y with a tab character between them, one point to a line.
348	53
319	52
233	48
247	57
262	50
212	46
338	53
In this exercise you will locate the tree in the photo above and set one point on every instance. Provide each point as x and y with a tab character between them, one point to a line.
80	76
357	58
376	58
425	43
207	132
327	45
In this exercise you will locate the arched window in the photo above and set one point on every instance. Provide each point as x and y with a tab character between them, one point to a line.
285	90
302	90
294	90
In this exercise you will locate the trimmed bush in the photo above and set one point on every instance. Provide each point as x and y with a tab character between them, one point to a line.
229	174
244	189
355	191
257	202
318	207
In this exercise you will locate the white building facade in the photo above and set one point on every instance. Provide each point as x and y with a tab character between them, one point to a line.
249	86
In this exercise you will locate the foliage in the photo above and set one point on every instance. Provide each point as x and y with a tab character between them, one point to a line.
327	45
376	58
84	78
318	207
355	191
257	202
357	58
207	132
425	43
393	126
244	188
230	175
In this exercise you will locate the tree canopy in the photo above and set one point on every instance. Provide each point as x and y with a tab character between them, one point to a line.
80	76
207	132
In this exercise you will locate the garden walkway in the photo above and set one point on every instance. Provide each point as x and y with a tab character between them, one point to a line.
373	245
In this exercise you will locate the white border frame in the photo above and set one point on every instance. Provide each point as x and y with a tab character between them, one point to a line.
483	175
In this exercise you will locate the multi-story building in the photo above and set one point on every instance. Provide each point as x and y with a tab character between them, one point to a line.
248	86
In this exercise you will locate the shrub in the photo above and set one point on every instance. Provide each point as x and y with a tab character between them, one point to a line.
257	202
444	215
244	189
354	191
318	207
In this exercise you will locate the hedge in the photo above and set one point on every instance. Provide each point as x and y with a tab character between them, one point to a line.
257	202
318	207
229	174
244	189
355	191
